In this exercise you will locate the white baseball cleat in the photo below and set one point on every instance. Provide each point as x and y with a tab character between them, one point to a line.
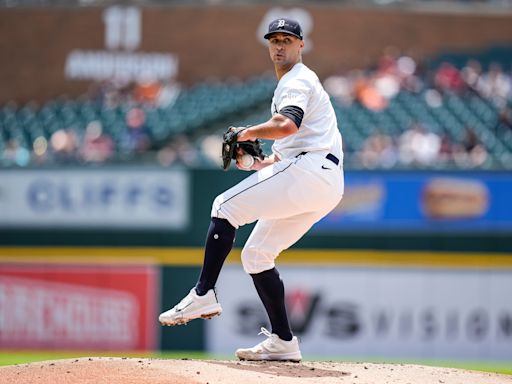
272	349
192	307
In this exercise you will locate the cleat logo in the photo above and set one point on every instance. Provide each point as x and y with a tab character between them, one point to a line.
181	309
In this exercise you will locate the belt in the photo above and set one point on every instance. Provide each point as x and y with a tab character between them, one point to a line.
329	156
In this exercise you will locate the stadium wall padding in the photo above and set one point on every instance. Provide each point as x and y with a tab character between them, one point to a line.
205	184
92	291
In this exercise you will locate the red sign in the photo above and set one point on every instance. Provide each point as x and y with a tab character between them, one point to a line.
78	306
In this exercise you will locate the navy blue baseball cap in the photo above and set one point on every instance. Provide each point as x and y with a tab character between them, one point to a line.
283	25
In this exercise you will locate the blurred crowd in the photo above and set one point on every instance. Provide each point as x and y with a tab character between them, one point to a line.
95	146
69	145
395	72
418	146
146	91
374	89
72	145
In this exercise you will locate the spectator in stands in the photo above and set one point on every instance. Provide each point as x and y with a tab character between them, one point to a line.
387	85
112	92
341	87
446	150
398	72
388	61
15	154
169	92
147	90
97	92
417	146
470	152
178	151
407	73
472	76
496	85
378	151
97	145
40	153
447	78
474	148
209	149
470	140
433	98
187	153
166	156
64	145
135	138
367	93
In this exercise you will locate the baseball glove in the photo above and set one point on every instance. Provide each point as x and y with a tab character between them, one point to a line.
230	147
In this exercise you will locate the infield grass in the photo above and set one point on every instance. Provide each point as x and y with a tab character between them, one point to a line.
8	357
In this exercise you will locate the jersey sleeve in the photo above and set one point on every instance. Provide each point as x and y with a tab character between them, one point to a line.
296	94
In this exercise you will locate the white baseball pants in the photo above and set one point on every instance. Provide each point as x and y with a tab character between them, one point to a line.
286	198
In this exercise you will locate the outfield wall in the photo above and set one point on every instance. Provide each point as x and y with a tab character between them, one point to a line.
415	264
377	312
151	206
78	306
358	304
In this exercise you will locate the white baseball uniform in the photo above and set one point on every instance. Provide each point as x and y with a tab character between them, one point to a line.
292	194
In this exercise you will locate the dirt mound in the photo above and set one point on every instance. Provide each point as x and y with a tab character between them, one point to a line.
114	370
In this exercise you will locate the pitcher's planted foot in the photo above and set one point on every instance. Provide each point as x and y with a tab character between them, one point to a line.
272	349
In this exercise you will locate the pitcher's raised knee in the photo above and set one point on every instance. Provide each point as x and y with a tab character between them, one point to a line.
255	261
222	210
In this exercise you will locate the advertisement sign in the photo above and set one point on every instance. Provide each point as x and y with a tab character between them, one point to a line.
375	312
120	60
133	198
414	201
78	307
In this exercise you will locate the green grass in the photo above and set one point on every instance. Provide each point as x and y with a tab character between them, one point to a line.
21	357
504	367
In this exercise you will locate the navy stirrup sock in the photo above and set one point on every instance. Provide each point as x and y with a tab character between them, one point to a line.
219	243
270	288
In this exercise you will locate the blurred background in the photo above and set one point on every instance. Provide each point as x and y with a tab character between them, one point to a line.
111	116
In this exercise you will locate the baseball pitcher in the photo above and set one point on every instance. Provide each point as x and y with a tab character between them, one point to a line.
293	188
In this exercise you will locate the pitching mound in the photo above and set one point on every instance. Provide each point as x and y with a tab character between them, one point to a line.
114	370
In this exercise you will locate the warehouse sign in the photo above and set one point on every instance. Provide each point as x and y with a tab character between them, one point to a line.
95	198
77	307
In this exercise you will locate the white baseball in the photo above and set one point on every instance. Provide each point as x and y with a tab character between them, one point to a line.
246	161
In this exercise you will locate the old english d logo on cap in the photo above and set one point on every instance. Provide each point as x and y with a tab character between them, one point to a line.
284	25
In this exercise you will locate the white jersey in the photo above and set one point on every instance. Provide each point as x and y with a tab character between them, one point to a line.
288	196
318	131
